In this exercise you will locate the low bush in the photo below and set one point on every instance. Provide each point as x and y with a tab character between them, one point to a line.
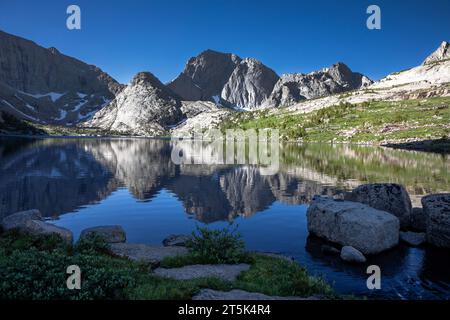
217	246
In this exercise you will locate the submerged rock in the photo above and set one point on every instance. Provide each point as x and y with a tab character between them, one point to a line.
388	197
326	249
18	219
351	254
414	239
354	224
151	255
38	227
111	234
209	294
176	240
436	207
227	272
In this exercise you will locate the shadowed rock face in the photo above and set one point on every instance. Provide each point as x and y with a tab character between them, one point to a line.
205	75
294	87
144	107
44	85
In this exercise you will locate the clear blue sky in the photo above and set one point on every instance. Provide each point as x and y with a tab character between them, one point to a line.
125	37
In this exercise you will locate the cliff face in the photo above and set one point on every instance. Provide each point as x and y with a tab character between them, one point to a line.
249	85
43	85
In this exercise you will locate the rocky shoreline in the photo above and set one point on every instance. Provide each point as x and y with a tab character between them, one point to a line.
375	217
369	220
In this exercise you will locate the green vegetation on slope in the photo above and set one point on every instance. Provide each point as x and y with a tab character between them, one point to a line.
377	121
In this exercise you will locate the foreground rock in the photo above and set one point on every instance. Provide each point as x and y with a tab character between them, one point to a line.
414	239
176	240
148	254
418	219
388	197
111	234
227	272
38	227
353	224
350	254
19	219
436	208
208	294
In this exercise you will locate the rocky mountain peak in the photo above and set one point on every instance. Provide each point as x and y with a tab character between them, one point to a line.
292	88
53	50
442	53
144	107
146	78
204	75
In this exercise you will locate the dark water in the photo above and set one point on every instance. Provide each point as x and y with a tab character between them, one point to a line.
133	182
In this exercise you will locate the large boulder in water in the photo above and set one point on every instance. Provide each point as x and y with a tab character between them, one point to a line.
389	197
436	207
353	224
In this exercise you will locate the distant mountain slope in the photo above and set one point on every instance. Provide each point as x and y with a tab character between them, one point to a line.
248	84
295	87
145	107
45	86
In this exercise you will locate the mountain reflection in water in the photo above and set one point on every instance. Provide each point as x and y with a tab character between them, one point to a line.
60	175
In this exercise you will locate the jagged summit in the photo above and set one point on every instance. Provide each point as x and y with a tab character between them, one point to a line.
294	87
204	75
442	53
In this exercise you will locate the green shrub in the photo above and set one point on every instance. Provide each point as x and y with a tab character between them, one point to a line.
91	244
34	267
217	246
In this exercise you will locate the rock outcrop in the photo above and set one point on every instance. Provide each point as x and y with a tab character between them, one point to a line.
151	255
38	227
30	222
43	85
176	240
437	209
19	219
145	107
249	85
389	197
294	87
353	224
442	53
111	234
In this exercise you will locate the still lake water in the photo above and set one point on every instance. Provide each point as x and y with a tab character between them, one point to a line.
80	183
